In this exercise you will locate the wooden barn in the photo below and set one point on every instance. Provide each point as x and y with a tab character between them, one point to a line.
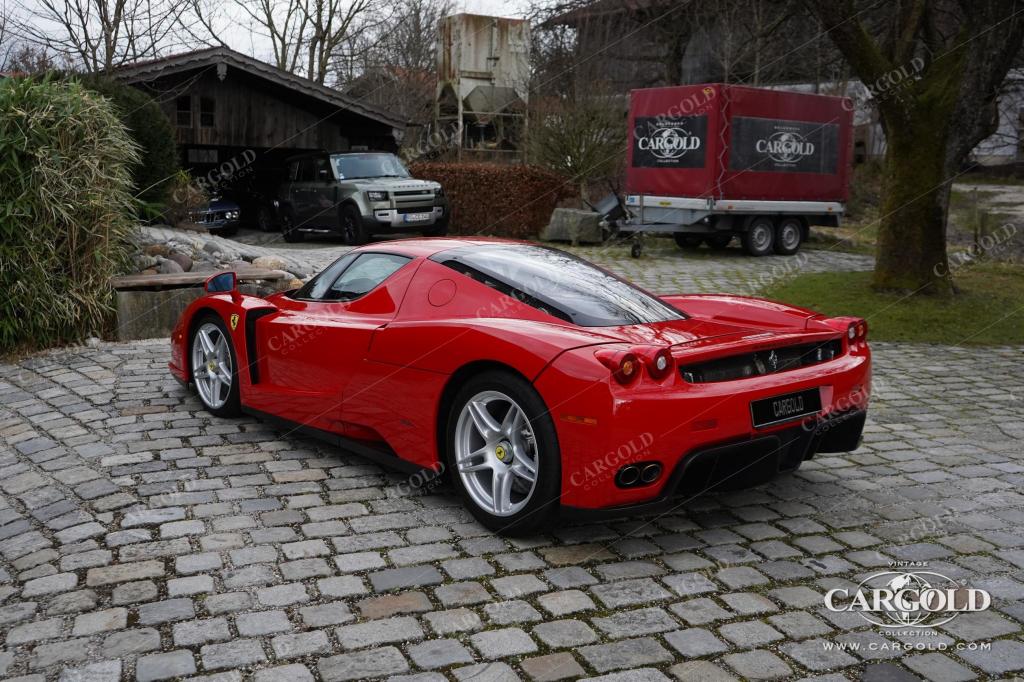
229	109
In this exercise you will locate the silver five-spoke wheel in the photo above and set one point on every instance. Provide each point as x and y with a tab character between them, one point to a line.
496	453
211	365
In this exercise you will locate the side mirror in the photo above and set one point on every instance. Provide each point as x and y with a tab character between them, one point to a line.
221	282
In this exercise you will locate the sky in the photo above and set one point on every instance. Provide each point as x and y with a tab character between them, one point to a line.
501	8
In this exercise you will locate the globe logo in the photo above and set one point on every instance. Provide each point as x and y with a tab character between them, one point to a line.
915	584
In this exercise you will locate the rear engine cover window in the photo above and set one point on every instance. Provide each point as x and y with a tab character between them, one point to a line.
559	284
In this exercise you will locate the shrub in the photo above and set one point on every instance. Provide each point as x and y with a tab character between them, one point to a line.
152	132
504	200
66	211
865	189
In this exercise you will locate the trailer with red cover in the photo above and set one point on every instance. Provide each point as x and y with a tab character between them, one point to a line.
711	162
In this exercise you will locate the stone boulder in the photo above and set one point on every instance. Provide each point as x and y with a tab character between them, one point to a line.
169	267
574	225
181	259
269	263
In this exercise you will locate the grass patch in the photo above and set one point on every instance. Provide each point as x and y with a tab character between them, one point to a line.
988	311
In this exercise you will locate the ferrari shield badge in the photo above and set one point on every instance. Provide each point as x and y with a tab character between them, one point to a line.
499	452
234	321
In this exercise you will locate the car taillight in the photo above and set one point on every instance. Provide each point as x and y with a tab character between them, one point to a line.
857	332
659	364
625	365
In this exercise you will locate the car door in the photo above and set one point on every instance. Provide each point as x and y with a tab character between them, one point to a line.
310	348
322	194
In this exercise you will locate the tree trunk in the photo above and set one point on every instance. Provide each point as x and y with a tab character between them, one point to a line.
911	249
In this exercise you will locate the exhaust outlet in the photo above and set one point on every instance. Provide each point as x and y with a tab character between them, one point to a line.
650	473
628	476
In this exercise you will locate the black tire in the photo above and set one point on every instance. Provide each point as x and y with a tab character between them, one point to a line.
719	241
353	230
687	241
288	231
265	219
543	502
759	238
789	235
438	229
636	250
232	406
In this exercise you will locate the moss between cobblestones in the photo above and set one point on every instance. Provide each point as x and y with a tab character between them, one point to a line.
988	311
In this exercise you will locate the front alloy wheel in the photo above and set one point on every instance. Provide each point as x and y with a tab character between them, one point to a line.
503	453
213	368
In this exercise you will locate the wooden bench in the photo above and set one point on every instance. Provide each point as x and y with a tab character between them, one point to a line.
148	306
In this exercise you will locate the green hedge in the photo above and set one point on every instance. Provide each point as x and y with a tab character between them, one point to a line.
504	200
65	211
152	132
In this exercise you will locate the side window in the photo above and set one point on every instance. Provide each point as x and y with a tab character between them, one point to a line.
317	287
183	111
321	169
368	270
206	112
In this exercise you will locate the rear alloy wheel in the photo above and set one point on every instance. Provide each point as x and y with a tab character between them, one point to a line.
759	237
214	367
687	241
503	453
288	229
789	234
353	232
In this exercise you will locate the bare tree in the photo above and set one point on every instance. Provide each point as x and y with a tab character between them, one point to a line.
394	65
937	66
99	35
743	38
582	137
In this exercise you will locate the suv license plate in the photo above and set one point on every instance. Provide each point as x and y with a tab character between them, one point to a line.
784	408
416	217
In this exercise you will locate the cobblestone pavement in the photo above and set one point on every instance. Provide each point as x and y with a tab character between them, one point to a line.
142	539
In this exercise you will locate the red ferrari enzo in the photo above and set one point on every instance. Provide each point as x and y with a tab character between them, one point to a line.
539	382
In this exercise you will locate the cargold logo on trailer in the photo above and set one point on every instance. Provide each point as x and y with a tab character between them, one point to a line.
785	146
668	143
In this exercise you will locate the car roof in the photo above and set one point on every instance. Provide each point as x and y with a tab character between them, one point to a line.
425	247
324	152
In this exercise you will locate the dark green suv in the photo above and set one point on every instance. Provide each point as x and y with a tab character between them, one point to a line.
357	195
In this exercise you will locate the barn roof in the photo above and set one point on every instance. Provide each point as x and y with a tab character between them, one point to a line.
141	72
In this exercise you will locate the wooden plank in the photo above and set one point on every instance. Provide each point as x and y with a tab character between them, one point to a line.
184	279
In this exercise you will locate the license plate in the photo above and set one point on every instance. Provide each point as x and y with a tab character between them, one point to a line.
784	408
416	217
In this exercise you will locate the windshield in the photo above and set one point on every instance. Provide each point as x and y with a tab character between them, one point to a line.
353	166
559	284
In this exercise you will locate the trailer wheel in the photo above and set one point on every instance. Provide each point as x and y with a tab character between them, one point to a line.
789	234
759	237
687	241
